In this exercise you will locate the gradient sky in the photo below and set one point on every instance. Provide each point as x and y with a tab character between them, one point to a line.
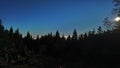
44	16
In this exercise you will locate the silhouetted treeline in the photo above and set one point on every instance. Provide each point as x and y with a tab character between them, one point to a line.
96	48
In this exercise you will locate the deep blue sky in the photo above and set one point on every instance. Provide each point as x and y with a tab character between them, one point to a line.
44	16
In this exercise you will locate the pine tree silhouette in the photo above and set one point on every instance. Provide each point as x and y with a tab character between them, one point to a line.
74	36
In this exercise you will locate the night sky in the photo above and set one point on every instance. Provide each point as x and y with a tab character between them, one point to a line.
44	16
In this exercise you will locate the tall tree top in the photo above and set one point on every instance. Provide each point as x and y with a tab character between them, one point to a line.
29	35
17	31
74	36
11	30
0	21
100	30
57	34
1	26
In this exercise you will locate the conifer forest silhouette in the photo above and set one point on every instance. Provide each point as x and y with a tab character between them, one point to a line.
93	49
98	48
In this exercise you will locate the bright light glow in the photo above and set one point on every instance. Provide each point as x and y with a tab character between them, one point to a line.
117	19
66	37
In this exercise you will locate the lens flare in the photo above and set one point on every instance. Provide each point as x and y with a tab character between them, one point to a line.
117	19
